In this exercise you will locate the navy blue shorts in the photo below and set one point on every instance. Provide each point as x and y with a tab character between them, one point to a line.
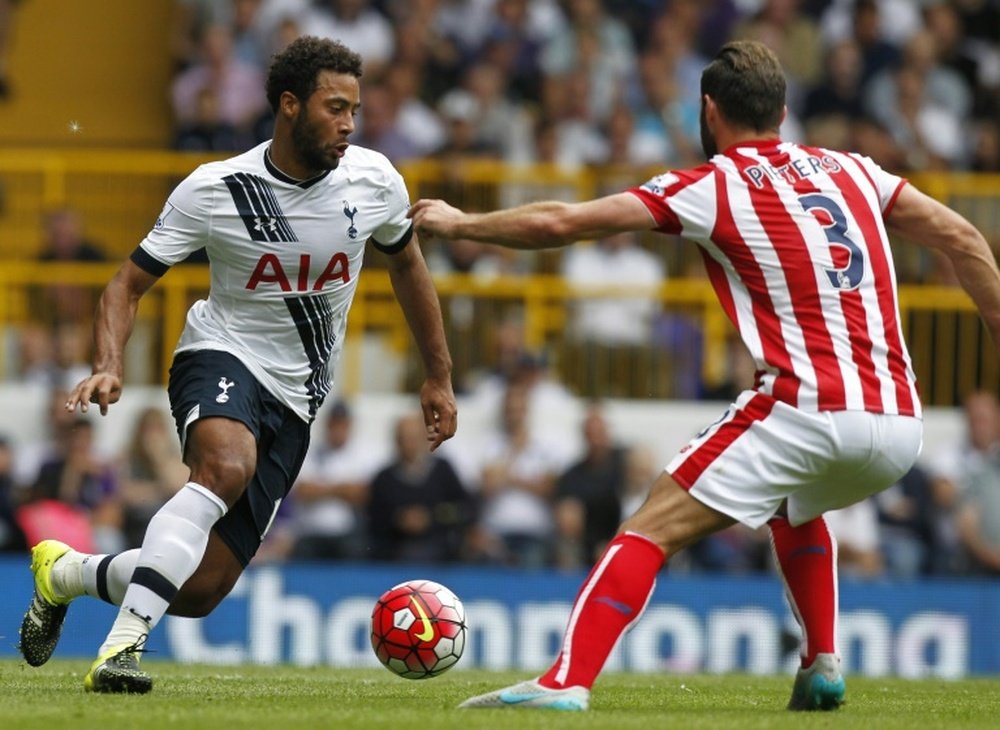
207	383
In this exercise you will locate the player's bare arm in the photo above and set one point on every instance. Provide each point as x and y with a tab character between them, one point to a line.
113	324
415	291
922	219
549	224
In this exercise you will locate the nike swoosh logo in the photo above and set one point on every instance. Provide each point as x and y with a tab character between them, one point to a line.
617	605
428	633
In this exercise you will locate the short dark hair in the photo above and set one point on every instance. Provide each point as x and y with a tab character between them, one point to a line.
296	68
746	81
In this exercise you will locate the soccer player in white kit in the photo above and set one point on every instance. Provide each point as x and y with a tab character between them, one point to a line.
794	240
285	226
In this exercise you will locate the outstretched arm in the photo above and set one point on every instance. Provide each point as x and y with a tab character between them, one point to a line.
113	324
924	220
537	225
416	294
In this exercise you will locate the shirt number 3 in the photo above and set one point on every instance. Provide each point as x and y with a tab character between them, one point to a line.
834	224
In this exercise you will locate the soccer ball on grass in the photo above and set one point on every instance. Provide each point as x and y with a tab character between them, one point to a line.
418	629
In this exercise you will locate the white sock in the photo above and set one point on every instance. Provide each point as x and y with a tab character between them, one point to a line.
101	576
67	574
107	576
174	545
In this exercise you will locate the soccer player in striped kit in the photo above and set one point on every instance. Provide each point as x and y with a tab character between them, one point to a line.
795	242
285	226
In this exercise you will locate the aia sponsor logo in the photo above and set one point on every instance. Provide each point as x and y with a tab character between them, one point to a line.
289	277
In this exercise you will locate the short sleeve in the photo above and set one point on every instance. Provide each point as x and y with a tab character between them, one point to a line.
680	201
181	228
393	235
887	186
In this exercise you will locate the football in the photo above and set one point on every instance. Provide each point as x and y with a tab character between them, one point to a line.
418	629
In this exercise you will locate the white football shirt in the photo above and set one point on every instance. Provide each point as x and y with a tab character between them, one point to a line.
285	256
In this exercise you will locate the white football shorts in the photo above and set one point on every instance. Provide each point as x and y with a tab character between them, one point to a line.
762	451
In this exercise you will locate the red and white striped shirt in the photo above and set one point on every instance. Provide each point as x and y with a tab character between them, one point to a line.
795	245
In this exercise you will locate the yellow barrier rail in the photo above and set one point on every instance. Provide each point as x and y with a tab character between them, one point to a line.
120	192
951	351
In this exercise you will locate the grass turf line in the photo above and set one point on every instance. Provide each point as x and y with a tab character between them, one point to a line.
226	698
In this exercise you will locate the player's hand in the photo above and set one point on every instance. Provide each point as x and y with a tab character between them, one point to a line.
434	218
100	388
437	401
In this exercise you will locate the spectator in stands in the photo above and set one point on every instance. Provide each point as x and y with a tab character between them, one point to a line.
907	526
357	23
328	516
618	282
379	127
979	445
871	138
70	354
589	495
674	34
32	452
513	363
859	548
976	60
577	136
151	472
77	476
464	257
64	241
986	146
189	20
64	238
956	468
514	42
664	118
418	508
924	104
888	21
793	36
517	485
35	358
206	131
238	87
428	47
838	92
415	118
11	535
978	516
501	125
597	45
461	113
640	472
735	550
250	43
865	23
256	26
617	262
629	146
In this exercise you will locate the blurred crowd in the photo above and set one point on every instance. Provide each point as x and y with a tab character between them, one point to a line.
913	83
527	492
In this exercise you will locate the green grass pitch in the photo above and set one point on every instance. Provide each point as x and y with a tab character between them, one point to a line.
274	698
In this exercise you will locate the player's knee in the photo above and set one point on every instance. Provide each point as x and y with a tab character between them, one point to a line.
226	475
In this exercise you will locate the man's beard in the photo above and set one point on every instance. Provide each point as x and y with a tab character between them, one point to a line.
708	144
307	148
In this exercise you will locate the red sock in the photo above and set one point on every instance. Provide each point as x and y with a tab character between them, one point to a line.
807	560
610	601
